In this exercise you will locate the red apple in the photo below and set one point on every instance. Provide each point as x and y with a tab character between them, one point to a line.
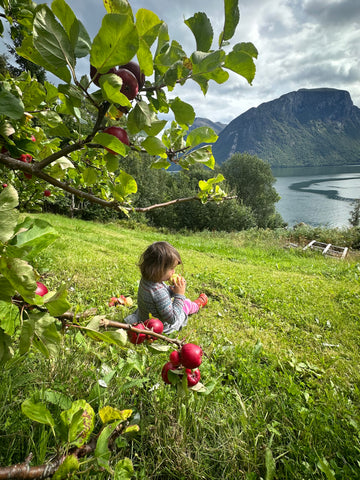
164	372
193	376
95	77
137	338
134	68
41	289
119	133
32	138
191	355
47	193
130	85
26	157
4	185
155	325
174	358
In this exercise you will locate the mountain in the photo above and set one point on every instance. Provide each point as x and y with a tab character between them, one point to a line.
204	122
303	128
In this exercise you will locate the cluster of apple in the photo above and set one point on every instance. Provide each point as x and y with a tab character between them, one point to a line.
121	300
184	362
133	80
153	324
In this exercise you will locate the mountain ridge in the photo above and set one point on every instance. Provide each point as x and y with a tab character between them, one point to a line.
307	127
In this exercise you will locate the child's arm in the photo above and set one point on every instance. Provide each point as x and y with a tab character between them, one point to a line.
169	310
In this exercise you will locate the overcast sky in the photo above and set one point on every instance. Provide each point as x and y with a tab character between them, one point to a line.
301	44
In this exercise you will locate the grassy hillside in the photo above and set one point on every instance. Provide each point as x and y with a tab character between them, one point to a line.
281	337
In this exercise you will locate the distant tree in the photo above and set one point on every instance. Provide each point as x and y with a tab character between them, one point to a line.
252	181
355	214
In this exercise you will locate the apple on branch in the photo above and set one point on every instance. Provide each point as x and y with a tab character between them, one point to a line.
119	133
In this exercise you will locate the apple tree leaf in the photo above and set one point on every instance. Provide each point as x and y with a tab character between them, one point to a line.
79	38
8	215
202	155
118	6
58	304
111	142
240	60
201	135
116	42
20	275
111	85
160	163
184	112
51	40
204	63
201	27
9	317
154	146
232	17
140	117
11	106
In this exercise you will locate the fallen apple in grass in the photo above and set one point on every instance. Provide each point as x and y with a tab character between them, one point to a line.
191	355
137	338
193	376
174	358
164	372
41	289
155	325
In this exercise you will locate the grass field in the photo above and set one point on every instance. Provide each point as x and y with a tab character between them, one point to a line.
281	338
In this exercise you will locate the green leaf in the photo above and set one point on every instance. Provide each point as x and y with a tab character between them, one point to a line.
47	339
160	163
147	24
59	167
184	112
112	162
202	155
58	303
201	27
51	40
80	420
5	351
324	466
70	464
232	17
28	51
26	336
50	118
111	85
9	317
90	176
124	469
201	135
11	106
116	42
145	58
203	63
79	38
33	95
125	185
111	142
8	215
57	398
109	414
20	275
34	235
6	289
168	55
37	412
154	146
139	117
118	6
240	60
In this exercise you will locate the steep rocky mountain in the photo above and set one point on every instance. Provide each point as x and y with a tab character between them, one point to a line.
303	128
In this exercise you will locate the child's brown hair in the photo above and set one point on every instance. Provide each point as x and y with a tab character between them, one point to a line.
157	258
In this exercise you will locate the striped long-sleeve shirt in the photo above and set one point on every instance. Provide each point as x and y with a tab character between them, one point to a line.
161	302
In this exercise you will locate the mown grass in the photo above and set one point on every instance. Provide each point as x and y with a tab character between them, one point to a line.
281	337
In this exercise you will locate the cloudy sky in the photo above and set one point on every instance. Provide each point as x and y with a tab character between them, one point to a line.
301	44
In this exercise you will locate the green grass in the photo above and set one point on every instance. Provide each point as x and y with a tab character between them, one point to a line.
281	337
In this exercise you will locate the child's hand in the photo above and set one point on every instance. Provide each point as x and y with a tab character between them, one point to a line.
179	285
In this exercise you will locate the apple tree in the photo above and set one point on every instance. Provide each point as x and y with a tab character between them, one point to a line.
134	69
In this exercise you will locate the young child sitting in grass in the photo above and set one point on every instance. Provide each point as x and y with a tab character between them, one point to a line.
166	302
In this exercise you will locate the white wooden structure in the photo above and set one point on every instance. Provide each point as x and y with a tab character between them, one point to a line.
327	249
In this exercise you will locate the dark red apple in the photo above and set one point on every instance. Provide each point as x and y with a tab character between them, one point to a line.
137	338
47	193
164	372
41	289
193	376
130	85
134	68
155	325
119	133
4	185
191	355
174	358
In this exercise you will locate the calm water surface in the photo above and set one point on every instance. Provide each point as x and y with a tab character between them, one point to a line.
318	196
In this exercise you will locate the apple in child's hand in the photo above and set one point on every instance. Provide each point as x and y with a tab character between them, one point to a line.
174	358
41	289
164	372
193	376
174	278
191	355
137	338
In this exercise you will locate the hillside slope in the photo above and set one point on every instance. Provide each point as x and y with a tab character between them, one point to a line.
301	128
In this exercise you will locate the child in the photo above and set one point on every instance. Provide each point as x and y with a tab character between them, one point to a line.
168	303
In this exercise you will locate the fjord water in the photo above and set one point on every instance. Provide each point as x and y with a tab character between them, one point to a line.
317	196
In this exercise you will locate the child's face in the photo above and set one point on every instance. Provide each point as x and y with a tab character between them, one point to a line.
168	273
